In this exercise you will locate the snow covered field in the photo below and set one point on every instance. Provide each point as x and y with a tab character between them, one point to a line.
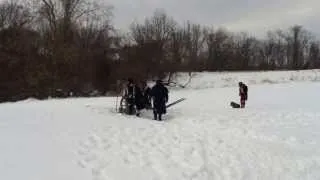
230	79
276	137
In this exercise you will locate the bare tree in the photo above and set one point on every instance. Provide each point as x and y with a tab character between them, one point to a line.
195	39
14	15
155	33
314	55
217	43
297	40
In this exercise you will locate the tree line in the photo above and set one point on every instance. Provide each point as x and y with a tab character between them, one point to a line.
61	48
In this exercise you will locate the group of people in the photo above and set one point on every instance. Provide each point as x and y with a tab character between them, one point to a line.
139	96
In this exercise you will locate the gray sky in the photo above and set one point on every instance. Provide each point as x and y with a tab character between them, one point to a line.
255	16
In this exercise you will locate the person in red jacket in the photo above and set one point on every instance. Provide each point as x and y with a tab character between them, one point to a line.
243	93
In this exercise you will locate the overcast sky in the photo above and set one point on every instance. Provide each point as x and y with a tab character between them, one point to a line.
255	16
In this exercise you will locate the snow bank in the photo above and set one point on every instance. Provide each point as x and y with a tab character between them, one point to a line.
205	80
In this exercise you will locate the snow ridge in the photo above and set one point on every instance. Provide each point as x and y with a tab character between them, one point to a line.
205	80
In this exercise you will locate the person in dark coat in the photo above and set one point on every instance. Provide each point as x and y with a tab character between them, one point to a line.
159	94
129	96
147	95
243	93
139	99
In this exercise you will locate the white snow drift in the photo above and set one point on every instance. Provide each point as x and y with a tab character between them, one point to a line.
275	137
229	79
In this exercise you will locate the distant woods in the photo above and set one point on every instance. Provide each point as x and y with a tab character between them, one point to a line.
61	48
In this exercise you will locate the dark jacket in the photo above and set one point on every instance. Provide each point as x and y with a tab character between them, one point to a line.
147	96
139	98
147	92
129	94
159	94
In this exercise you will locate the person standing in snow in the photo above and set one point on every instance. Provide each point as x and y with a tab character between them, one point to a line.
129	96
139	98
159	94
243	93
146	95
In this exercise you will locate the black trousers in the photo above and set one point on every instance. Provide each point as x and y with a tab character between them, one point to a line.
130	106
159	108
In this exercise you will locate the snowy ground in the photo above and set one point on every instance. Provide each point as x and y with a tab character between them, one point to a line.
230	79
276	137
